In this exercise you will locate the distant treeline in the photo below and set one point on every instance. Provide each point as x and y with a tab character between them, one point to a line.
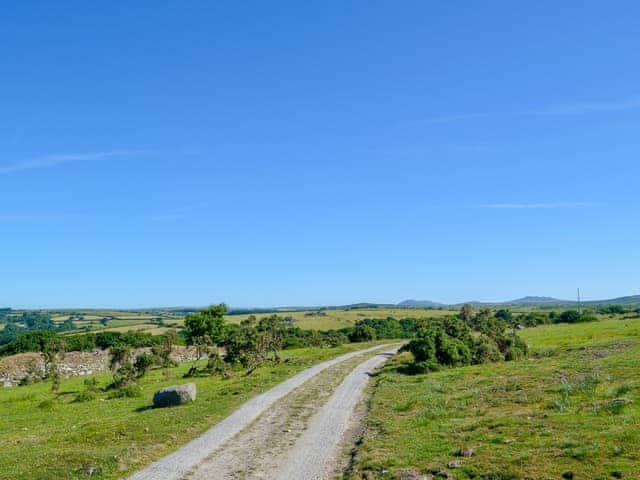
37	341
18	325
31	331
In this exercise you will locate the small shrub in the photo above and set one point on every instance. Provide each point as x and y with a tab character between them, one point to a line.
128	391
125	375
47	404
588	384
500	475
91	384
561	404
620	390
486	350
142	364
84	396
579	453
615	406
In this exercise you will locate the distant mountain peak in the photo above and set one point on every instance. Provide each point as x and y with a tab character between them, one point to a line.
536	299
419	303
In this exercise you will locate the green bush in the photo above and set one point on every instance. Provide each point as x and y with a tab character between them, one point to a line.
128	391
84	396
448	342
486	350
143	363
362	333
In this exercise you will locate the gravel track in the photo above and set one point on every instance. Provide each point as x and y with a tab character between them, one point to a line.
315	455
177	464
262	448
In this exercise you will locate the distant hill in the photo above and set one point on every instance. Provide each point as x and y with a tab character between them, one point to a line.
533	300
419	303
628	300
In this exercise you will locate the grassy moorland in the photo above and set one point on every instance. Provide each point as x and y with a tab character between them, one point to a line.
55	436
572	410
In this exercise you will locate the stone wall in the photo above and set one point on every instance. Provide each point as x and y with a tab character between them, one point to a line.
16	367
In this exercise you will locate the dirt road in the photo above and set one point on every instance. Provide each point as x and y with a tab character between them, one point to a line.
261	440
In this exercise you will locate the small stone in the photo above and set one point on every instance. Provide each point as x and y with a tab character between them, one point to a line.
412	474
455	464
442	473
90	471
466	452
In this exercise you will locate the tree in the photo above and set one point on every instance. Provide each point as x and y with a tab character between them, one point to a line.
52	348
251	342
505	314
163	351
569	316
466	313
208	322
271	332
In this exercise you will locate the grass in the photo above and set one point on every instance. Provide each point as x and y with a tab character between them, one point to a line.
47	436
579	334
336	319
566	409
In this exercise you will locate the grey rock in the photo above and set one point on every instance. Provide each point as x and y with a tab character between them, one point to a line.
412	474
455	464
175	395
466	452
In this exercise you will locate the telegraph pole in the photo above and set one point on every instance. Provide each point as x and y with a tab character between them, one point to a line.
579	304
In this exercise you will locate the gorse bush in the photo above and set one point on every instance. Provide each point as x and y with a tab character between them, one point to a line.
449	342
362	333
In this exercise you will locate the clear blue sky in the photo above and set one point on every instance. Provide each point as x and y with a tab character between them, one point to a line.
278	153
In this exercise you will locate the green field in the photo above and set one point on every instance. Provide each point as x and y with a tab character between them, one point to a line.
341	318
559	412
132	320
47	436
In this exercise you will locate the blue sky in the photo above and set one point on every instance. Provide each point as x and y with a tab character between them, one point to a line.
279	153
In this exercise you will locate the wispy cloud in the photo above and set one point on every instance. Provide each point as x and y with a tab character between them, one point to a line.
538	205
455	118
590	107
577	108
48	161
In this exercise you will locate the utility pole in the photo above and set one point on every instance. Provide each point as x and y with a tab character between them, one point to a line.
579	304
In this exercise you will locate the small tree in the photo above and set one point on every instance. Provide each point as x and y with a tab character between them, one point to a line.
208	322
53	347
271	332
203	346
142	364
163	351
124	374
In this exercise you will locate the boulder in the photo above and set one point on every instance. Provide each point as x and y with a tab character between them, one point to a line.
175	395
